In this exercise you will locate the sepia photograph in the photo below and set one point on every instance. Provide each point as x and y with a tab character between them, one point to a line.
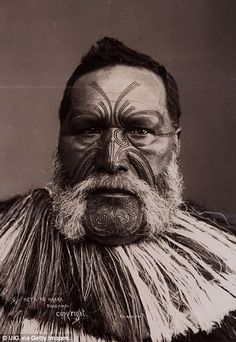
117	170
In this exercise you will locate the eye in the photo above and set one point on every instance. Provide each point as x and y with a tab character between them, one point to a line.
138	131
91	131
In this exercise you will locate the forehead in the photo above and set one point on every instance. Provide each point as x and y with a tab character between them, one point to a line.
149	92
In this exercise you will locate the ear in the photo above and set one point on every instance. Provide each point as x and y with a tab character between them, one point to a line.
177	140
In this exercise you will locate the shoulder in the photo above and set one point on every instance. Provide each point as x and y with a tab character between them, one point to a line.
5	205
216	219
15	201
17	213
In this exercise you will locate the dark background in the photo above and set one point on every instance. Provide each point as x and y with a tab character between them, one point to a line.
42	42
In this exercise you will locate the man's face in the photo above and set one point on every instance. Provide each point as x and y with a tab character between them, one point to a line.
118	122
118	125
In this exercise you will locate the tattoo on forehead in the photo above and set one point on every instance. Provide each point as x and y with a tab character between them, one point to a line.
104	108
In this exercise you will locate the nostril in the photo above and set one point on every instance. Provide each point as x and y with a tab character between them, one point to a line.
119	166
111	166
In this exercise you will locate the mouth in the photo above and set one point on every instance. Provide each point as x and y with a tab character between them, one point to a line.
104	192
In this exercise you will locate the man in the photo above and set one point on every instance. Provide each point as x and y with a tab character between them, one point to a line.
108	252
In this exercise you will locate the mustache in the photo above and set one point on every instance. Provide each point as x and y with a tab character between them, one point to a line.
97	182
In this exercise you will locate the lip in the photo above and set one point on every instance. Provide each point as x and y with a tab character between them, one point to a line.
112	192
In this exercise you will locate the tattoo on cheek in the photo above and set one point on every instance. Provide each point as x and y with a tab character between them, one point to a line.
84	166
141	165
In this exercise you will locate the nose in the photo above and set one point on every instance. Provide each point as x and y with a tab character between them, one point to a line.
111	156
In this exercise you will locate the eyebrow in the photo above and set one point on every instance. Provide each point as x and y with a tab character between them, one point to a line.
85	118
149	117
85	114
145	118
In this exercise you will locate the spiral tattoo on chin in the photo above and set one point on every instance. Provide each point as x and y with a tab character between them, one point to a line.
111	218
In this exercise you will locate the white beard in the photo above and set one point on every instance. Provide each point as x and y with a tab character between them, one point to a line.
158	205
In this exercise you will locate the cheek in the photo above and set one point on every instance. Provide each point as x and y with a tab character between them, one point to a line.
75	155
149	162
159	155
